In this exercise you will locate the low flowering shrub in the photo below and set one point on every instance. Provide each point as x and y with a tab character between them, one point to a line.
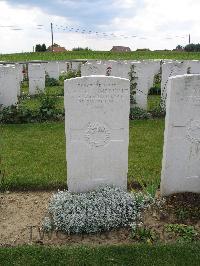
101	210
136	113
50	82
16	114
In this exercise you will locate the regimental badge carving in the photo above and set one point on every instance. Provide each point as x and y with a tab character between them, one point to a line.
97	134
193	131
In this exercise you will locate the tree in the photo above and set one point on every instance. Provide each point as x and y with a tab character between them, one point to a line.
40	48
192	47
179	47
81	49
43	47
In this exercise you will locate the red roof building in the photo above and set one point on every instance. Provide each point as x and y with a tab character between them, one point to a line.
56	49
120	49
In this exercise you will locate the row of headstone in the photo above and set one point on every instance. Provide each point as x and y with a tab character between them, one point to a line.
140	73
13	74
97	133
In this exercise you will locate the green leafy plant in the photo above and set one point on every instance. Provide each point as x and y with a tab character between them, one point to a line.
142	233
137	113
157	112
103	209
133	84
68	75
50	82
47	111
183	233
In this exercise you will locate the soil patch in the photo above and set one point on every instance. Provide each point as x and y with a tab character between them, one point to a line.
22	213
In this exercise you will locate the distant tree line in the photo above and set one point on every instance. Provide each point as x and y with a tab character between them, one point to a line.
81	49
189	47
40	47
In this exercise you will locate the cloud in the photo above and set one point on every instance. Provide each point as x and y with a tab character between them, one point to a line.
156	24
27	19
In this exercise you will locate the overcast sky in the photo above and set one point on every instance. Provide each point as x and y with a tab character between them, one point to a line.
154	24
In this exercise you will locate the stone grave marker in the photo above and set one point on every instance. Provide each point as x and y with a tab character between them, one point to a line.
8	85
62	66
36	74
181	155
144	78
52	69
170	69
97	131
93	68
75	65
120	68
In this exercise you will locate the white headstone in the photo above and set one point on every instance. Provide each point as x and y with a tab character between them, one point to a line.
170	69
114	68
181	155
8	85
144	74
193	67
36	74
52	69
62	66
93	68
76	65
97	131
120	68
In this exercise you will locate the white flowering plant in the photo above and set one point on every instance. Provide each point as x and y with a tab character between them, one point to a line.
101	210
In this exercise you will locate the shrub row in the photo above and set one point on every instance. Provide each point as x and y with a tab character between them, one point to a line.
48	112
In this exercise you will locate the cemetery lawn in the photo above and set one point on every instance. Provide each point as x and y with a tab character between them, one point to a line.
176	254
33	155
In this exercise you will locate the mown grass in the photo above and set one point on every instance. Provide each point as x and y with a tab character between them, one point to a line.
137	55
33	155
153	102
162	255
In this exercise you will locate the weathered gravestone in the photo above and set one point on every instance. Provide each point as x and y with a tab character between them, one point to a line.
120	68
52	69
36	74
144	73
62	66
170	69
93	68
8	85
75	65
97	131
181	156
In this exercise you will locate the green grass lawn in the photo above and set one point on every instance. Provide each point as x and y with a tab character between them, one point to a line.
161	255
137	55
153	102
33	155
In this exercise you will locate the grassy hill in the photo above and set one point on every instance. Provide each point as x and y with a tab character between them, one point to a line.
138	55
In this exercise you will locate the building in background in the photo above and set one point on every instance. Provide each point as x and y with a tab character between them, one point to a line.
120	49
